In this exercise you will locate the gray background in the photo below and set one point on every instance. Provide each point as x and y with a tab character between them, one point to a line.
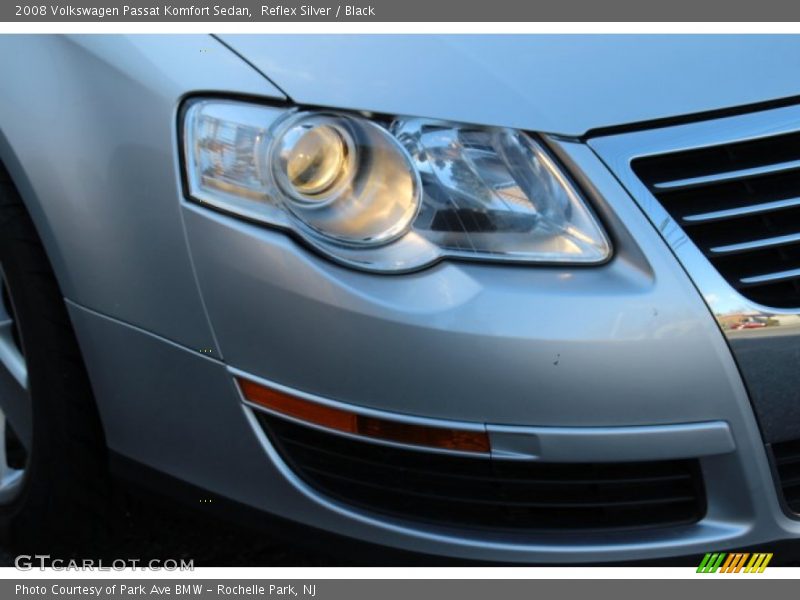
732	586
465	10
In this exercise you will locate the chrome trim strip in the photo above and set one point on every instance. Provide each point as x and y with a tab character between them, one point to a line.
680	184
610	444
770	277
751	209
781	240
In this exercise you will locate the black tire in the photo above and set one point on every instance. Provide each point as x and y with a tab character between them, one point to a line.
63	505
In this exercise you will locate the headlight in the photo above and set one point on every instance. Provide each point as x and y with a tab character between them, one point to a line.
389	198
345	178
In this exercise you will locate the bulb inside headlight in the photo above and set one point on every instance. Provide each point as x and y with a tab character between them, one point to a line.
314	158
390	197
345	178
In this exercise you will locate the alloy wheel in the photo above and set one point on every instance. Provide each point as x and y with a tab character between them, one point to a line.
16	410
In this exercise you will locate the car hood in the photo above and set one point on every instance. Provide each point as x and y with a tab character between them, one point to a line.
558	84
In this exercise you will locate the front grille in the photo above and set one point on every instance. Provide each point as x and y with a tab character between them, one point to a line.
740	204
786	460
483	493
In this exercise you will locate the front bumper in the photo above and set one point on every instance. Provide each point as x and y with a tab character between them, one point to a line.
591	363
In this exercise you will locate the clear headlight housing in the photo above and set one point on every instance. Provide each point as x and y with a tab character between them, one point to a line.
389	196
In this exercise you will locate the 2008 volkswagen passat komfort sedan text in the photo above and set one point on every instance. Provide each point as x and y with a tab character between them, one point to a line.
519	299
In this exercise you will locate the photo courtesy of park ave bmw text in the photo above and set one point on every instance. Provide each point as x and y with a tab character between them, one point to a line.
161	590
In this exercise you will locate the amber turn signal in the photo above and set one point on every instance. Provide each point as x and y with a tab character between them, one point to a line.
356	424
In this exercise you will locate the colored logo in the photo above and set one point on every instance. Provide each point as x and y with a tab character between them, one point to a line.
735	562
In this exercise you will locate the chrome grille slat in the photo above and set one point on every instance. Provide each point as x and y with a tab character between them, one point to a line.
743	211
781	240
716	178
771	277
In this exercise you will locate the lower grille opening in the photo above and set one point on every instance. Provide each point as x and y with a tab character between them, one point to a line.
494	494
786	461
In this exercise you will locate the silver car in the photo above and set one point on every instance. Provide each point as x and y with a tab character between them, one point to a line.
495	298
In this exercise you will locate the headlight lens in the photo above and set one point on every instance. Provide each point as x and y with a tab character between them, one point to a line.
389	198
345	178
313	158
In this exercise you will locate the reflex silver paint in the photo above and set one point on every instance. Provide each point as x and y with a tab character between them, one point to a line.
622	360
